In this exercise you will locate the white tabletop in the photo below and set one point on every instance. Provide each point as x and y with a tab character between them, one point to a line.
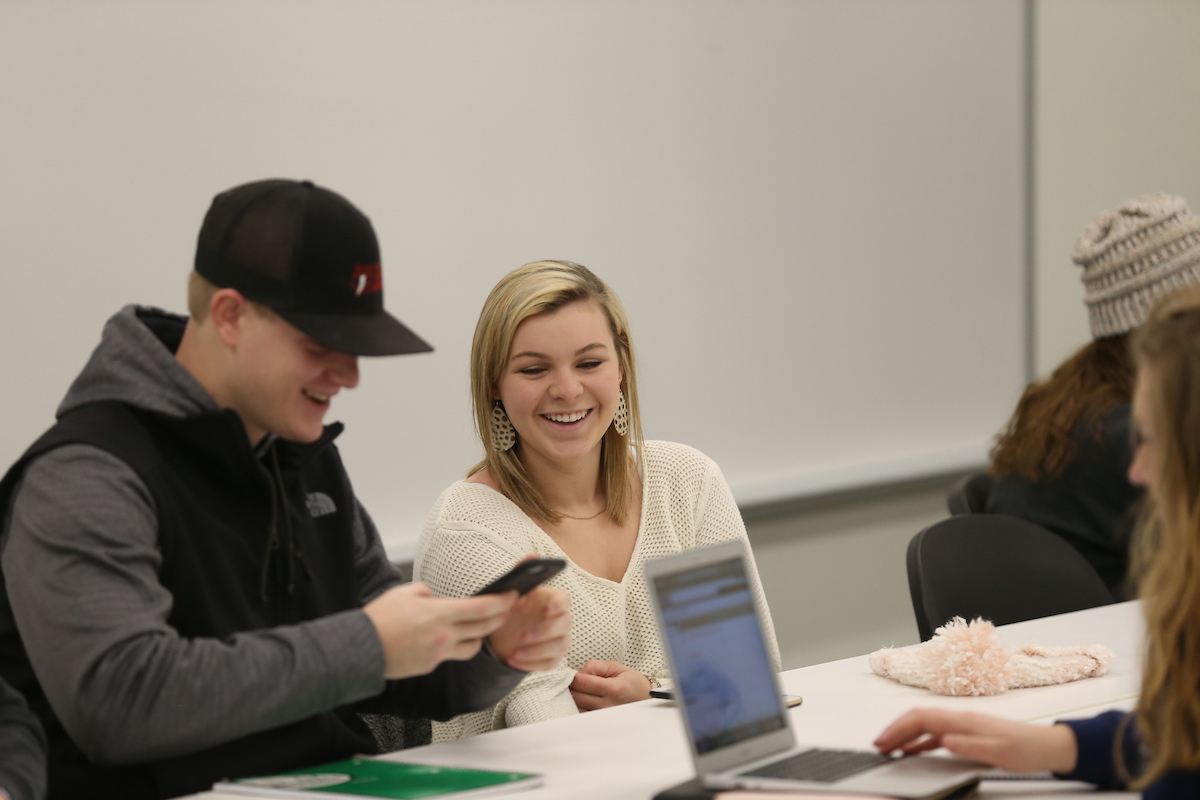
633	751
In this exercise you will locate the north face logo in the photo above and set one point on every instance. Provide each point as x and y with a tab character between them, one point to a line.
319	504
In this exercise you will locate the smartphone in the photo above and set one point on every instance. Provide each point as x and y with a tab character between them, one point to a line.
789	700
526	576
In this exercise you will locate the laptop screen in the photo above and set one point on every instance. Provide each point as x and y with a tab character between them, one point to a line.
723	675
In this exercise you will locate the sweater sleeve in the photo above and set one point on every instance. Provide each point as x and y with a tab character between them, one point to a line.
454	687
718	520
81	566
1094	738
22	748
456	561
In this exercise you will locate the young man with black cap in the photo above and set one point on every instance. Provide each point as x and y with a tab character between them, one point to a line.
193	591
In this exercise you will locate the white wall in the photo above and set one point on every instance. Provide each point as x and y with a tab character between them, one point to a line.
1117	101
785	195
1117	114
835	574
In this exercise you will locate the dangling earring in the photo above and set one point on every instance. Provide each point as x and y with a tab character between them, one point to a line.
502	432
621	418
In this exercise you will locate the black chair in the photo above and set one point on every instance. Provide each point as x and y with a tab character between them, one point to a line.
998	567
969	495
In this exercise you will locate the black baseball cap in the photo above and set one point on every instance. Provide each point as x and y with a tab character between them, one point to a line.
310	256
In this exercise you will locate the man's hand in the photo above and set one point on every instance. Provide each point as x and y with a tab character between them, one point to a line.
419	631
537	632
1014	746
601	684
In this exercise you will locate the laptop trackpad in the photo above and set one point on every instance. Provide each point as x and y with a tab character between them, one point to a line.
915	776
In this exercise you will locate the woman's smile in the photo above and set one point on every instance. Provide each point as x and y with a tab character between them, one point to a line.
567	419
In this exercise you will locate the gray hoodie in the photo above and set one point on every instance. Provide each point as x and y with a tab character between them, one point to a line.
23	744
81	565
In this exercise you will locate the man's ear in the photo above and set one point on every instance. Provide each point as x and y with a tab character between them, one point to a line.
227	310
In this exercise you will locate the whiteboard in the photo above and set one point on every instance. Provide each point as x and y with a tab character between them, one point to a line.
813	211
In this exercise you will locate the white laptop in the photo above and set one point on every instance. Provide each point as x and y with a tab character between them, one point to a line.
729	696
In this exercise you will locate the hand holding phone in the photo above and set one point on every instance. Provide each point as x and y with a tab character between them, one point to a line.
537	632
526	576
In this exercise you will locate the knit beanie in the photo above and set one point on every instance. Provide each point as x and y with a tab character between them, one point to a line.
1135	255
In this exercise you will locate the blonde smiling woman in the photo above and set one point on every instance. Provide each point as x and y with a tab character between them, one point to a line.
566	474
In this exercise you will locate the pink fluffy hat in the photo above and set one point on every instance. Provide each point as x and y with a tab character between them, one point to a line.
967	658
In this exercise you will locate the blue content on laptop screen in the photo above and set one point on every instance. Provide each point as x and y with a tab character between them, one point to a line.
723	675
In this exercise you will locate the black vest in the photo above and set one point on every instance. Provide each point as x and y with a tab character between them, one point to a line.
243	547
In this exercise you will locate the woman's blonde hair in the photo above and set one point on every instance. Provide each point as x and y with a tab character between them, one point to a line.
1167	549
539	288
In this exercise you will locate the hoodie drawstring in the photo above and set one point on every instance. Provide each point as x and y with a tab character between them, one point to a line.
279	507
272	543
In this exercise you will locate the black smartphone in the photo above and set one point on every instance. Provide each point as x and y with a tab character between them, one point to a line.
525	576
789	700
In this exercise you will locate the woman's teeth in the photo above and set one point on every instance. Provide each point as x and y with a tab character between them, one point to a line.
320	398
575	417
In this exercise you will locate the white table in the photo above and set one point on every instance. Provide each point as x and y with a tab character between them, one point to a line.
638	749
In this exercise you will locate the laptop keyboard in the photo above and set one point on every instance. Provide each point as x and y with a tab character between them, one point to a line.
820	765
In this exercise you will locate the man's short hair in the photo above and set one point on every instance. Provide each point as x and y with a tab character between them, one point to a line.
200	294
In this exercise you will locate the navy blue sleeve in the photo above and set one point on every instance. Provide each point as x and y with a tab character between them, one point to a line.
1094	738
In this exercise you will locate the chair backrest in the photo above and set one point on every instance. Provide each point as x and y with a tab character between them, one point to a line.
998	567
969	495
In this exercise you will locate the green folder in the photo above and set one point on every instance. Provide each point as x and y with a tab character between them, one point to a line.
372	777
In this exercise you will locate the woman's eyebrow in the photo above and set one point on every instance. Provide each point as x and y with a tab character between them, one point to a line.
580	351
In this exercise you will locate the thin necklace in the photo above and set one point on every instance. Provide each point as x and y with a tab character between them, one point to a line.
568	516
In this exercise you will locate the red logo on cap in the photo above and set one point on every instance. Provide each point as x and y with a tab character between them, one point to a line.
366	279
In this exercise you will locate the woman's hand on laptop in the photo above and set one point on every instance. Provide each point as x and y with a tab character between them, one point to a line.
601	684
1014	746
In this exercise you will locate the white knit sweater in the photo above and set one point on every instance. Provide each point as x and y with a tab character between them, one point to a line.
474	534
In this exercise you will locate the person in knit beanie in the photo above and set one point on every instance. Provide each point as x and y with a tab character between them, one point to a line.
1152	748
1063	457
1132	257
